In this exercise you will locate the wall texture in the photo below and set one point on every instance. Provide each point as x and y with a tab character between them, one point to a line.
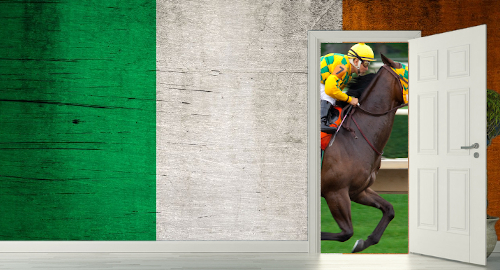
232	117
77	92
78	106
433	17
77	120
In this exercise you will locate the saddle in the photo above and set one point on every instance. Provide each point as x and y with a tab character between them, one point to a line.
334	119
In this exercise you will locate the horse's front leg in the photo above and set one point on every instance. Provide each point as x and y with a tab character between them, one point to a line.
340	207
371	198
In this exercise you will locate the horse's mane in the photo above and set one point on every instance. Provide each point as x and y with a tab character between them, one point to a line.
357	86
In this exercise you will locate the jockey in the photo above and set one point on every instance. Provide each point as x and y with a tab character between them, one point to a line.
336	72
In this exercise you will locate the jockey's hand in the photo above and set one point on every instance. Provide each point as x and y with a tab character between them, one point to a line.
354	102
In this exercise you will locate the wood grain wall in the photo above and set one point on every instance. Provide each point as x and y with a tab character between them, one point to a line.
232	117
231	113
78	98
77	120
433	17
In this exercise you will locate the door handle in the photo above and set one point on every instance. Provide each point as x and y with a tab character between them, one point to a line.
474	146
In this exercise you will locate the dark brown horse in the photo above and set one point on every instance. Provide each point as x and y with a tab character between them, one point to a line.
351	162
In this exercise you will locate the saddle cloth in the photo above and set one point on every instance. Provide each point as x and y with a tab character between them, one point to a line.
334	121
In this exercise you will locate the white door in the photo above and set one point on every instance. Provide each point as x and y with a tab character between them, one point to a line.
447	194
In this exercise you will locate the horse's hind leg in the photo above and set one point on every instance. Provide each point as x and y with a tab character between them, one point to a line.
371	198
340	207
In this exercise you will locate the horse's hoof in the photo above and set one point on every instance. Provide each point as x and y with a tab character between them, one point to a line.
358	246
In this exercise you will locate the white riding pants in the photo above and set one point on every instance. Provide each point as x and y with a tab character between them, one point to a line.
324	96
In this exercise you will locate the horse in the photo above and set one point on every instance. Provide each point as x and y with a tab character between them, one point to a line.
350	164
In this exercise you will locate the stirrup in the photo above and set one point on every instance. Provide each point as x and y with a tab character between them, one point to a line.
325	115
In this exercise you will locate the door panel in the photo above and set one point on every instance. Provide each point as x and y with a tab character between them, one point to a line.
427	123
447	183
458	201
457	133
427	198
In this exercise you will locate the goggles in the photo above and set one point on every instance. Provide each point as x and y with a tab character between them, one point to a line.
363	62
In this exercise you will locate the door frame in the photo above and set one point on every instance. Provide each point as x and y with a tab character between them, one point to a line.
314	40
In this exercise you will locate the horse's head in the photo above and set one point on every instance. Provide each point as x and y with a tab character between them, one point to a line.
390	62
402	74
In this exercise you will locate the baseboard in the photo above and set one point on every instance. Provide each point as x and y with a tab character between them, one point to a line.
155	246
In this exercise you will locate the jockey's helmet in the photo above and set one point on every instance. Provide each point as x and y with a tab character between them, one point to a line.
361	51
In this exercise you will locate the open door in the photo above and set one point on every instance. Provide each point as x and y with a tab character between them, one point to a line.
447	145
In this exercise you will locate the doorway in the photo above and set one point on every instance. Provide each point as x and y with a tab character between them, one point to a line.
392	178
444	206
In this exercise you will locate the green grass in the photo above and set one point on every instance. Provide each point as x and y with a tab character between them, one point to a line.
365	219
397	146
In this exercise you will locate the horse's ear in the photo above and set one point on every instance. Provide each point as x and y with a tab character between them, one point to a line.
389	62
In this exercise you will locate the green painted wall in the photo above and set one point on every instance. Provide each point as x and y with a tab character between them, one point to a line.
77	120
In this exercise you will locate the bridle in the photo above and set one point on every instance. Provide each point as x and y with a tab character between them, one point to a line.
398	79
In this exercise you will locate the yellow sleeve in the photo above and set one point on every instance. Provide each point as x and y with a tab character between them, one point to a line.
332	89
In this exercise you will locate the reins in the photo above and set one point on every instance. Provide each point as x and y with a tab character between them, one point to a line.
373	114
366	139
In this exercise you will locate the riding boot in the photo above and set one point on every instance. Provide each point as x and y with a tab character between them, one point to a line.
324	113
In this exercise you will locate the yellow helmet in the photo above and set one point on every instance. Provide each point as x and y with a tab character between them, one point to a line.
361	51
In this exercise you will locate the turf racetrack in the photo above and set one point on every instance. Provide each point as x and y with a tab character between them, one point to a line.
364	220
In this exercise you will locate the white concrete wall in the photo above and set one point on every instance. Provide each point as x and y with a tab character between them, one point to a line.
232	117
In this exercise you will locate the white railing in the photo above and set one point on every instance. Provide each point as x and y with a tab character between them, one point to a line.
394	163
402	112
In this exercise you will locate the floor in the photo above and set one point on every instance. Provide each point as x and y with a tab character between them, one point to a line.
222	261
